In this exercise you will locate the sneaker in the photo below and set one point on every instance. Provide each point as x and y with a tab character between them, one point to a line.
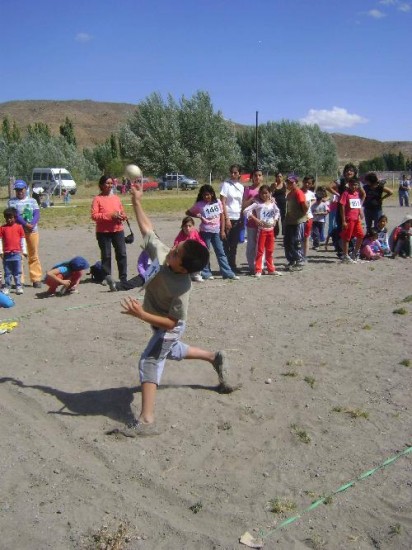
316	248
197	278
62	291
211	278
234	278
5	291
296	267
258	274
37	284
348	260
275	273
19	290
134	429
220	364
111	283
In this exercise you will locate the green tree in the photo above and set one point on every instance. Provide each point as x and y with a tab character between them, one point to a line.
67	131
10	132
39	129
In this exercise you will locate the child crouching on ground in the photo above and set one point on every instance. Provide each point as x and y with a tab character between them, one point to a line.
67	275
401	238
165	308
371	248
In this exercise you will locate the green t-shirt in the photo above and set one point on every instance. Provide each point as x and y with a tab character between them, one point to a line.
167	294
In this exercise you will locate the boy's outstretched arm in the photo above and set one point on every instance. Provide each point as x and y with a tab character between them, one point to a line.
143	221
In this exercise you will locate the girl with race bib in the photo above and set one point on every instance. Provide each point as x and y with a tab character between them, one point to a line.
265	214
351	209
212	229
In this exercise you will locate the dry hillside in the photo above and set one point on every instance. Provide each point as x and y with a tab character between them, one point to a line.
94	121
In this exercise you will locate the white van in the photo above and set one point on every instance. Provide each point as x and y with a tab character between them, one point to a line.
53	180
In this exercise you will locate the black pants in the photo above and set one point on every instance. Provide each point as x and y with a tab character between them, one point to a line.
231	242
105	241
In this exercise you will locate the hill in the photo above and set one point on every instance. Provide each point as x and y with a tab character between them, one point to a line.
94	121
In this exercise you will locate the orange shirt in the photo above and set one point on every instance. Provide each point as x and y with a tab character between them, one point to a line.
103	207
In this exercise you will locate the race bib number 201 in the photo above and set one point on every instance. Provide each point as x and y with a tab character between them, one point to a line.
355	203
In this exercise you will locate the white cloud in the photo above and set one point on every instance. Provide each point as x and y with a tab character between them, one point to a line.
376	14
83	37
404	7
388	2
336	118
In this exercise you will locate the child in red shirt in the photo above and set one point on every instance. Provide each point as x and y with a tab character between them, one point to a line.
351	208
12	246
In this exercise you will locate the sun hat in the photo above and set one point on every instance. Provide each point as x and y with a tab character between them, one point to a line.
78	263
407	218
20	184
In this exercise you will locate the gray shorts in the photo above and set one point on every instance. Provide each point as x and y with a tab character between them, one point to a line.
162	345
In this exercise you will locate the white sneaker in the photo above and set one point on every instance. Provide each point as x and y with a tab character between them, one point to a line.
19	290
197	278
5	291
348	260
258	275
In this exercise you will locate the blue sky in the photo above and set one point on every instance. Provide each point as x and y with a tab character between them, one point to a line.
344	64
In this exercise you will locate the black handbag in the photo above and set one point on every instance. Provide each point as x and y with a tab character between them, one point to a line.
129	238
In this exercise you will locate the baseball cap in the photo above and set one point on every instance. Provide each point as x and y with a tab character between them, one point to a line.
292	177
78	263
20	184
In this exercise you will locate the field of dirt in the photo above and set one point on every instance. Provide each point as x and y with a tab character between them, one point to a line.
325	367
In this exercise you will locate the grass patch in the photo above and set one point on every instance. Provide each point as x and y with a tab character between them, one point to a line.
289	373
294	363
407	299
367	327
301	434
107	539
400	311
395	529
196	508
353	413
310	380
405	362
281	506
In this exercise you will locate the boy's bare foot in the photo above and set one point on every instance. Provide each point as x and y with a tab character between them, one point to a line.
221	366
134	429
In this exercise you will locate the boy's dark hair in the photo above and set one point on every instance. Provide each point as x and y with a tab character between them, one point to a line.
195	256
186	220
206	189
309	178
321	192
371	177
383	217
235	166
9	212
372	232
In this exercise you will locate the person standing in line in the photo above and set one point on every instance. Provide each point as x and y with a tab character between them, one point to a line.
109	214
375	194
308	187
249	196
28	216
231	195
296	213
278	189
404	186
265	214
12	247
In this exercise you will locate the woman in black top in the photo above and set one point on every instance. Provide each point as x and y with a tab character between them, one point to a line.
375	193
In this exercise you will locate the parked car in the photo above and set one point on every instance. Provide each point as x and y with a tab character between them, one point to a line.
177	181
150	185
53	180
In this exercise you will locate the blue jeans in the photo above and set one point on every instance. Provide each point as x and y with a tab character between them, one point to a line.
292	242
403	197
215	240
371	217
12	268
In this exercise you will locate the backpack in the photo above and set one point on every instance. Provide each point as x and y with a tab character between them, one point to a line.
97	273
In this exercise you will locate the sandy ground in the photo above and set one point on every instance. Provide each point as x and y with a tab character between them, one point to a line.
68	374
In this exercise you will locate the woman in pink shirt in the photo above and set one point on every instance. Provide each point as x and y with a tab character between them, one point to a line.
109	215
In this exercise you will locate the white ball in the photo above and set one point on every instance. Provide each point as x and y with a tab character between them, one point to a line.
133	171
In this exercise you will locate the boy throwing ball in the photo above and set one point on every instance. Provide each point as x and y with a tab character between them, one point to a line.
165	305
